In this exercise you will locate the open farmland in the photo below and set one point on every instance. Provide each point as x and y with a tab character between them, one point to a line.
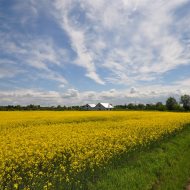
62	150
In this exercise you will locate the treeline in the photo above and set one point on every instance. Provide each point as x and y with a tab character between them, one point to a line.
171	104
32	107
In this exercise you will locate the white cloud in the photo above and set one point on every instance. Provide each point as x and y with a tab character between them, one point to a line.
135	38
71	93
183	83
72	96
30	96
8	69
37	53
133	90
94	76
78	41
62	86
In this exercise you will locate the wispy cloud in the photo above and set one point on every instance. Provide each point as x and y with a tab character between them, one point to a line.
184	83
137	39
78	40
40	54
9	69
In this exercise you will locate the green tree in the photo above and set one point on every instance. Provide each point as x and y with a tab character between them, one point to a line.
131	106
185	100
160	106
171	103
141	106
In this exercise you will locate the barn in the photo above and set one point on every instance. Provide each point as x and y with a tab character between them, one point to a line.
89	106
103	106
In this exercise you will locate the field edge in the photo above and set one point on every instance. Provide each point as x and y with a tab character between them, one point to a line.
159	167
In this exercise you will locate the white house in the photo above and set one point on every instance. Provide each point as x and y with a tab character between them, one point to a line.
103	106
89	106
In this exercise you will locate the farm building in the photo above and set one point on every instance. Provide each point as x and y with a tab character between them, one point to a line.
89	106
103	106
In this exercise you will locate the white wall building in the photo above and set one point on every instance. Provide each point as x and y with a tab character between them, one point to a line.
89	106
103	106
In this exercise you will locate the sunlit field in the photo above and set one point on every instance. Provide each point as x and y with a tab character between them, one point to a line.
62	150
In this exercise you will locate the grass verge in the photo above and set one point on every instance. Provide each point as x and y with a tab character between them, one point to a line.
164	166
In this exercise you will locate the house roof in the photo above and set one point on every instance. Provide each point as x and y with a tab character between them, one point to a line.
106	105
92	105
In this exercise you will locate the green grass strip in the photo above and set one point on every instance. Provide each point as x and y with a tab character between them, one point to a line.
165	166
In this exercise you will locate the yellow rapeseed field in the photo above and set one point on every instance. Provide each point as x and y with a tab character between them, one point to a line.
60	150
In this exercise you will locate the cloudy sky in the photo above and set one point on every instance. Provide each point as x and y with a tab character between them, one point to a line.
72	52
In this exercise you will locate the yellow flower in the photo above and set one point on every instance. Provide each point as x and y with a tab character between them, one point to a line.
46	147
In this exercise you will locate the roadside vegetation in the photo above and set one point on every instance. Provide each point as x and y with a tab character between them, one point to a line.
162	166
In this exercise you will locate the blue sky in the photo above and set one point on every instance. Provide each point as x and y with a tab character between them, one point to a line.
72	52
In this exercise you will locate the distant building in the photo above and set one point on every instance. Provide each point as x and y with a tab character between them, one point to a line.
103	106
89	106
99	106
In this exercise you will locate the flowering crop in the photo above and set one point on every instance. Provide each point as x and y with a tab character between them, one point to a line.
56	150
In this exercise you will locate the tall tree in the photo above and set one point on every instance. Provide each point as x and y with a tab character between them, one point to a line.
185	100
171	103
160	106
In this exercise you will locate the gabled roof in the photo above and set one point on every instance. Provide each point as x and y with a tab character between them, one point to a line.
107	105
91	105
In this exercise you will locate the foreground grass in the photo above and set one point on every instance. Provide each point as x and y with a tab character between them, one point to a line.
163	167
